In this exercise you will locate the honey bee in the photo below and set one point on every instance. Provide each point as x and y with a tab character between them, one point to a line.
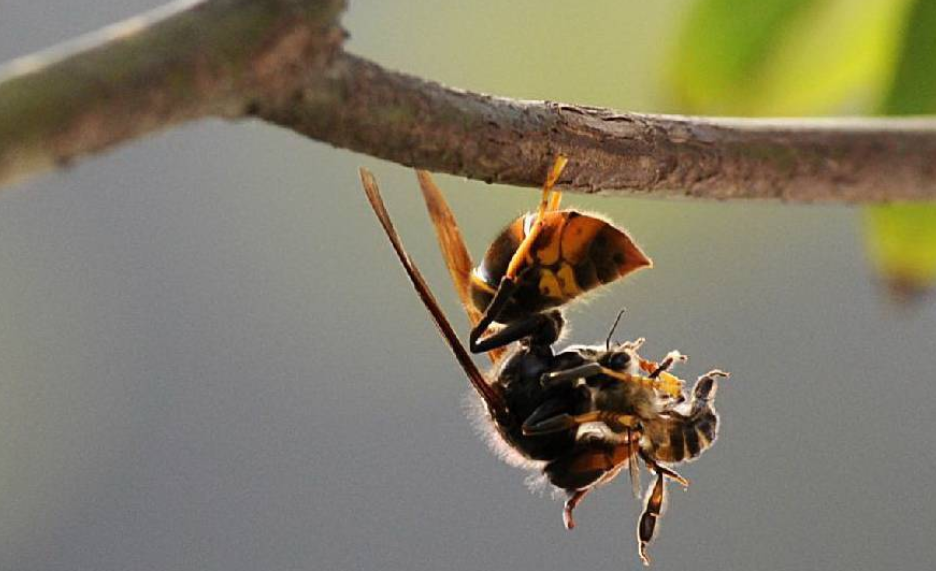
579	416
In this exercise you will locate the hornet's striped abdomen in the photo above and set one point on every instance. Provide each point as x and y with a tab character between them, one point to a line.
573	254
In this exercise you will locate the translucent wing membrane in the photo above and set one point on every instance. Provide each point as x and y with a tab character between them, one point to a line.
454	251
491	396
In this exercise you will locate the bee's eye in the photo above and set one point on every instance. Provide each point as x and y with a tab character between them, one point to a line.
619	361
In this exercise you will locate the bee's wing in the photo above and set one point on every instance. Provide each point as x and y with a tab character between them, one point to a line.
633	467
489	394
454	251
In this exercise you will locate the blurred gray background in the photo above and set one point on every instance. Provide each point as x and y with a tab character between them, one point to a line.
211	360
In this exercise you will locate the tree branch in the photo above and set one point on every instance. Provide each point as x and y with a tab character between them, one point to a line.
363	107
187	60
281	61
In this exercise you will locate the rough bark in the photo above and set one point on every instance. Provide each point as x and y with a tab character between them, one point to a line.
282	61
185	61
404	119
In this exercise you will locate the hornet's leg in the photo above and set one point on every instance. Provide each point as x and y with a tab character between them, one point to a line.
615	421
542	328
536	425
508	283
556	198
559	378
504	292
584	470
544	412
548	203
574	500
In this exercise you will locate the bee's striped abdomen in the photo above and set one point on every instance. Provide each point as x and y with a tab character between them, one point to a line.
679	439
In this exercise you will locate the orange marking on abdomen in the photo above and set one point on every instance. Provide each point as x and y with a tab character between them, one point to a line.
578	235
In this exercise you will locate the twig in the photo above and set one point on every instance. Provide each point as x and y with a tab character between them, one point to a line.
281	61
366	108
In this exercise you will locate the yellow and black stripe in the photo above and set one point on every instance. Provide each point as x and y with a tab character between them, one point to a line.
573	253
678	440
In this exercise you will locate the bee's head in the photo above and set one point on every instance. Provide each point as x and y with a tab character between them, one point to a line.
622	357
616	360
621	353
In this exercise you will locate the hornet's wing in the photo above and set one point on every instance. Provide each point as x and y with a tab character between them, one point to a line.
491	396
454	251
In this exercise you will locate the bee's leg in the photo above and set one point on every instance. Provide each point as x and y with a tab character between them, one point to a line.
653	508
669	473
672	475
672	413
664	381
574	499
668	384
704	391
667	363
543	328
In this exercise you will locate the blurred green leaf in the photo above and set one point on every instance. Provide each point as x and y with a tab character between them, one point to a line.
786	57
724	45
913	90
902	237
902	246
802	57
